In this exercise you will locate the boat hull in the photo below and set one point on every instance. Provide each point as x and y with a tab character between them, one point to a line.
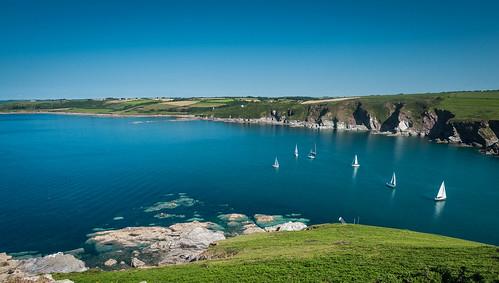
440	199
390	185
355	165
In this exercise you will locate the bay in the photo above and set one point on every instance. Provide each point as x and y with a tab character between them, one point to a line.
63	177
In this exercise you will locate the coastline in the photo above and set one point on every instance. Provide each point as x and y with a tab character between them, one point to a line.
142	262
140	245
252	121
339	126
350	128
107	115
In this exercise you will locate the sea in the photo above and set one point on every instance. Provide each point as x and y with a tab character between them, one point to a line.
64	177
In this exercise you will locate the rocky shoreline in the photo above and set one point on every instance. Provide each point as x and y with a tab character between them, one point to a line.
110	115
38	269
140	247
435	125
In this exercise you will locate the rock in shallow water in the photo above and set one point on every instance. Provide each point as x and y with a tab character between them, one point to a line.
237	223
59	262
233	217
264	219
181	242
110	262
183	200
32	270
252	228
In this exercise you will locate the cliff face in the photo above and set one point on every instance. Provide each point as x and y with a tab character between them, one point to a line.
316	114
494	126
363	118
435	124
476	133
398	121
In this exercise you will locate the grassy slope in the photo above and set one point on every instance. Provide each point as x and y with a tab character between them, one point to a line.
327	253
472	105
465	105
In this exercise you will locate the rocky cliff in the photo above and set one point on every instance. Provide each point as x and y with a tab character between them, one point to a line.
436	124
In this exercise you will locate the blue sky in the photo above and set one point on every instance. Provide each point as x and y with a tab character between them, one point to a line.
76	49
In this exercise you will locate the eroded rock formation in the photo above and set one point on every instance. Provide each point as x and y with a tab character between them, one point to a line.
435	124
364	118
140	246
35	269
288	226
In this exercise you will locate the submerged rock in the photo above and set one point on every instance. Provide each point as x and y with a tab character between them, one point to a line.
25	254
181	242
263	219
163	215
237	224
233	217
288	226
183	200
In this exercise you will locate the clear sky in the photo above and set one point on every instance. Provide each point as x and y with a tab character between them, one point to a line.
87	48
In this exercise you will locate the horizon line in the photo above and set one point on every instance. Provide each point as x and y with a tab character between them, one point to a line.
248	96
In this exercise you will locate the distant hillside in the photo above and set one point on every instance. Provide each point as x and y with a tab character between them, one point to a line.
327	253
469	105
468	118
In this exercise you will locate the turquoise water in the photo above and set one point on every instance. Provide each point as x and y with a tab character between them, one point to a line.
64	176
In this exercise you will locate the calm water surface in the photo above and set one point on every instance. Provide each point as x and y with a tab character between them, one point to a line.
63	176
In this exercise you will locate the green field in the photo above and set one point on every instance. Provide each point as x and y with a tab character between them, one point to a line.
473	105
327	253
477	105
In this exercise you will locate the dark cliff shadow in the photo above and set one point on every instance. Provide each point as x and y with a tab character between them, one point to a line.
390	124
442	128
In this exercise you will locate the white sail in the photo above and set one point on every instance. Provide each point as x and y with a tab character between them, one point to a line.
355	162
296	150
441	192
393	181
313	152
276	163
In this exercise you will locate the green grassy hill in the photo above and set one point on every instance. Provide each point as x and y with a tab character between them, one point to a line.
467	105
327	253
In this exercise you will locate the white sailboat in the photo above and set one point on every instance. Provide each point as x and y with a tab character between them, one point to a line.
393	181
355	162
276	163
296	150
441	193
313	153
